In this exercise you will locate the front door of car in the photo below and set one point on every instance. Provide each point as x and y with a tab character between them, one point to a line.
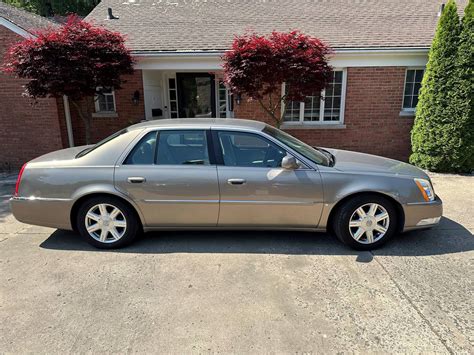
256	191
172	178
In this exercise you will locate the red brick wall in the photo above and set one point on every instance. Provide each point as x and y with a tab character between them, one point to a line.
372	115
128	113
26	130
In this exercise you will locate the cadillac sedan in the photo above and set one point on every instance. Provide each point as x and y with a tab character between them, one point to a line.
221	174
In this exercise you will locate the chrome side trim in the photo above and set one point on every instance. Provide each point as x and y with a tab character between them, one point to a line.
181	201
270	202
74	167
34	198
235	202
426	203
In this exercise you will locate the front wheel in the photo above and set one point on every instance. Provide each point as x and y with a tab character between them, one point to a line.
365	222
107	223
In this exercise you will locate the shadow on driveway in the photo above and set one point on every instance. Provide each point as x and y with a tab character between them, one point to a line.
448	237
7	187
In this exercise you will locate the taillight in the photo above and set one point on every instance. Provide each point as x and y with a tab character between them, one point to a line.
18	180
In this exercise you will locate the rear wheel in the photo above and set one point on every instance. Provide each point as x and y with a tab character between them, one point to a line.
365	222
107	223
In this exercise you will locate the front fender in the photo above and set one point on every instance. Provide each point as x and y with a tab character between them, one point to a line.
339	185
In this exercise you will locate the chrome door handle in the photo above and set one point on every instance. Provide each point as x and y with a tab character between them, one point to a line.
236	181
136	179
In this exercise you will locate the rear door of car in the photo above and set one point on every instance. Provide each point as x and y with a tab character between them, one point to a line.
172	176
255	191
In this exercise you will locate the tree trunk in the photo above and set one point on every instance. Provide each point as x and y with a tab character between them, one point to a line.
271	112
86	118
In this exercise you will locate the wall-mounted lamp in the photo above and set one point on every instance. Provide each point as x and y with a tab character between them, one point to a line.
136	97
238	99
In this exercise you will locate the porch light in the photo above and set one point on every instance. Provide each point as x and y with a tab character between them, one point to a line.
238	99
136	97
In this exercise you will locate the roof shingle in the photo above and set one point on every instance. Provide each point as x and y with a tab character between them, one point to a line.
192	25
24	19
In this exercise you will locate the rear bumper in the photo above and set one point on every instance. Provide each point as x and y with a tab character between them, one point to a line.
54	213
422	215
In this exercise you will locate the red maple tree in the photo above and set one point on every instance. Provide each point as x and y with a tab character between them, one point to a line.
258	65
74	60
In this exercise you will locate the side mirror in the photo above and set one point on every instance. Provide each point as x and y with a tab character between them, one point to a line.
289	162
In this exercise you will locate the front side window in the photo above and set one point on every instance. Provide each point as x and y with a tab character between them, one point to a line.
182	148
317	156
249	150
105	100
413	80
324	107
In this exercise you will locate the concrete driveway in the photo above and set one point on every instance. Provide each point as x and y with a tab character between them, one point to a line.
241	292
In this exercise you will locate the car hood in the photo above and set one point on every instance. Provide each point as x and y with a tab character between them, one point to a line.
348	161
60	155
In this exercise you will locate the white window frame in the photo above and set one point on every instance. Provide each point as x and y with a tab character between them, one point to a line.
97	105
320	122
410	109
228	113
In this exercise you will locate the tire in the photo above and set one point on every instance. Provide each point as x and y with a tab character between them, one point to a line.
108	229
365	233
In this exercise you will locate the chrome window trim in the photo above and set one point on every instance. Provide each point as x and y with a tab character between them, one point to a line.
273	140
138	138
307	165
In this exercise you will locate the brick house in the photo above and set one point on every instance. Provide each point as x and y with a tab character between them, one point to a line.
22	134
381	50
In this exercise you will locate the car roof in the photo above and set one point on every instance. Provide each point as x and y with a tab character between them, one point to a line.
203	123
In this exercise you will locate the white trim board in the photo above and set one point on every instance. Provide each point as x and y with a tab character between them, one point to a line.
213	62
205	53
15	28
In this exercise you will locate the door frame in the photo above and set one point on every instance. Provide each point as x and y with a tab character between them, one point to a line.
166	96
180	91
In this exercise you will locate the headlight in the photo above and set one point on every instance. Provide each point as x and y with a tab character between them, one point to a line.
426	189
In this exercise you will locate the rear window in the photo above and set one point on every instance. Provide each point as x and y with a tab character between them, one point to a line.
102	142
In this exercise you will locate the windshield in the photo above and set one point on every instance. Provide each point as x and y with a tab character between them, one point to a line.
316	155
102	142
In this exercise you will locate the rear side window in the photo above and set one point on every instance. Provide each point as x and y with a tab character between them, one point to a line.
182	147
144	152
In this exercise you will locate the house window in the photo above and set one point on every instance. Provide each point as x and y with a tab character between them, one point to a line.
173	98
222	100
412	88
325	108
105	100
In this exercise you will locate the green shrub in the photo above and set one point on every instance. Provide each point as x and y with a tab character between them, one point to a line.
463	100
438	135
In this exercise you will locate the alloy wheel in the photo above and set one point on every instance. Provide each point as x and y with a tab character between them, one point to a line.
105	223
369	223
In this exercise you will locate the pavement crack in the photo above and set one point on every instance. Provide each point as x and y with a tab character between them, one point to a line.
410	301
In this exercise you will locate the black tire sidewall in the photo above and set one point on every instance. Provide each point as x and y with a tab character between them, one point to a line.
344	213
131	232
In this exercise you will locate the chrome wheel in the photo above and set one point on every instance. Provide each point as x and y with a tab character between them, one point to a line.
105	223
369	223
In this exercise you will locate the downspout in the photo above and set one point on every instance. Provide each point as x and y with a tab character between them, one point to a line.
67	114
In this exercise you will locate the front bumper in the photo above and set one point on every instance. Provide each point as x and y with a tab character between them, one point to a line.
422	215
54	213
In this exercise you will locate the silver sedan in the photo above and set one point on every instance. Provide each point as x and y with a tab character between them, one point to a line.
221	174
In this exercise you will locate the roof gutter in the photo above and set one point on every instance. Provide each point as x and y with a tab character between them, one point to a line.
218	53
15	28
